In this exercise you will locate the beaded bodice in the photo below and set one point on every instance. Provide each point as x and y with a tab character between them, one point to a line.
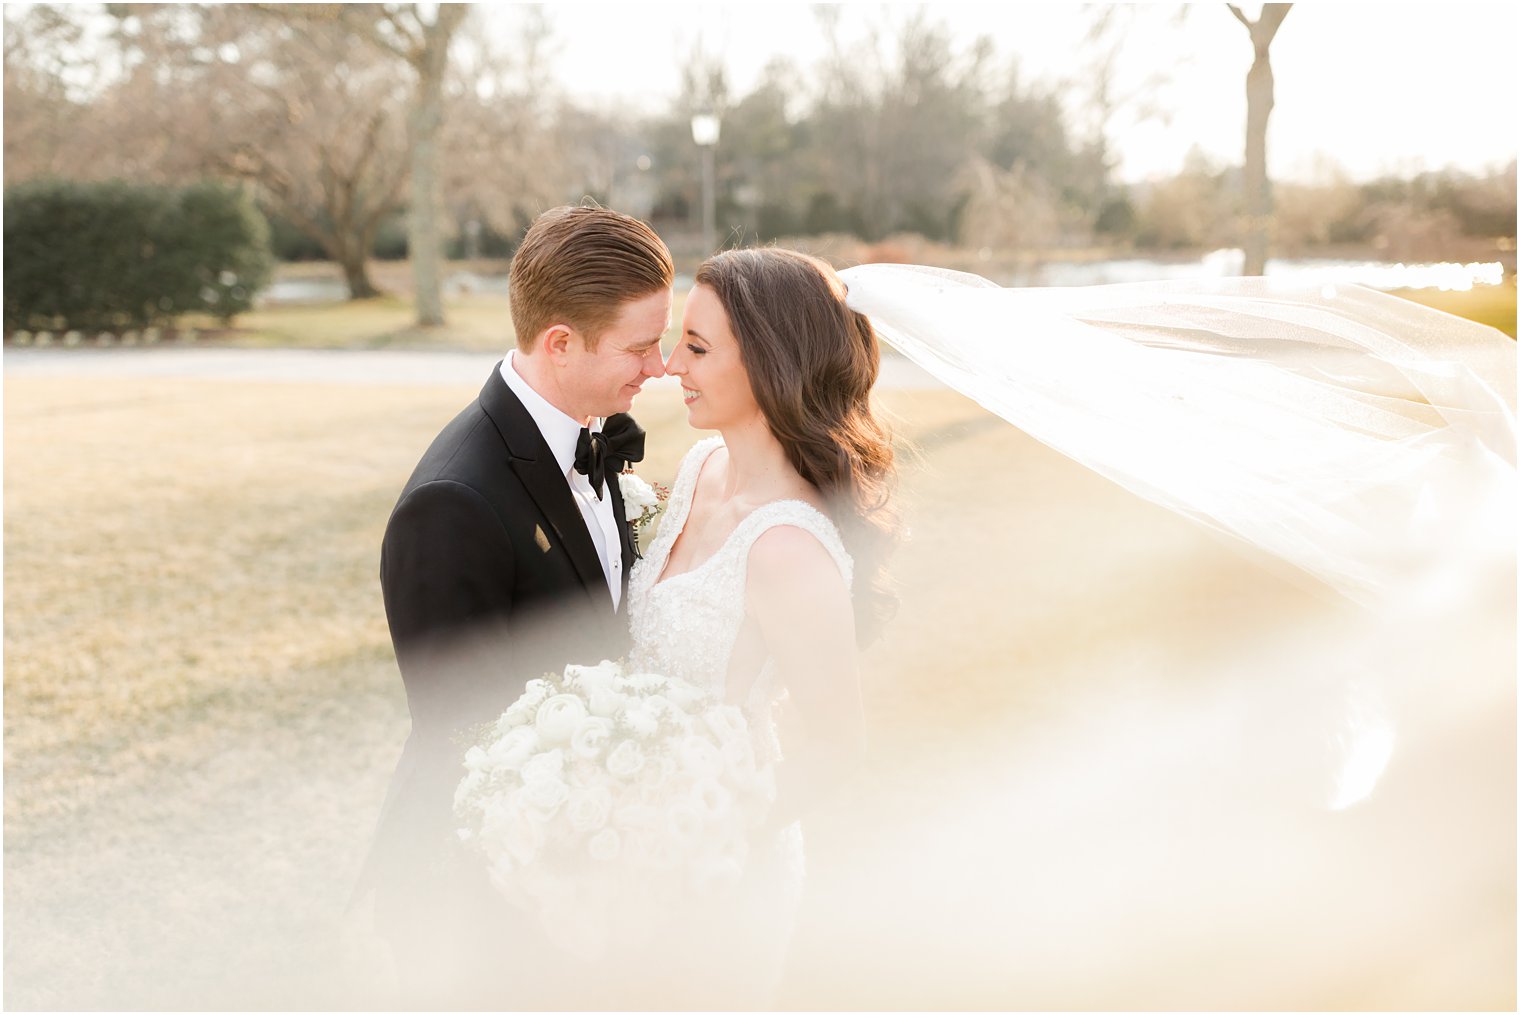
686	626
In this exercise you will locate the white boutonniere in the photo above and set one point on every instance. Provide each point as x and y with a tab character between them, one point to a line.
642	502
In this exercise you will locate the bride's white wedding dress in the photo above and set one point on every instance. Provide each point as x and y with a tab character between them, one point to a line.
686	625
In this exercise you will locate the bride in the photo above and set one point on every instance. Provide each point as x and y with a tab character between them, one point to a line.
767	569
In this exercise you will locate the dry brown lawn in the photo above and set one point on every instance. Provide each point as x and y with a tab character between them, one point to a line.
202	711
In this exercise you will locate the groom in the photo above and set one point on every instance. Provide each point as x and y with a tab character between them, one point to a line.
507	556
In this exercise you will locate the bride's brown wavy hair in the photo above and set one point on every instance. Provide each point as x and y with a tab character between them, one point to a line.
812	362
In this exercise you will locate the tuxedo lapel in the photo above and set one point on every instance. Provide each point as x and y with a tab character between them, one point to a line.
535	465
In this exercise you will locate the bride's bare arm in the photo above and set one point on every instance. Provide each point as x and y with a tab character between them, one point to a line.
800	603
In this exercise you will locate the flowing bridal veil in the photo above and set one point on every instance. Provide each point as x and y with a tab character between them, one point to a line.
1310	806
1366	439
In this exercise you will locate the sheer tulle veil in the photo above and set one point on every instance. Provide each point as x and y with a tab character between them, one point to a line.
1363	438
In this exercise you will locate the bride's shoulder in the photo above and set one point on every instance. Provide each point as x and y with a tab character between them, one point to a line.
799	574
794	543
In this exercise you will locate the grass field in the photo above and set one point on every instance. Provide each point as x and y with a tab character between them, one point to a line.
202	710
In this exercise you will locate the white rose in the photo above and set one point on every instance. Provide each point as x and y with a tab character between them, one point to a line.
546	794
641	720
685	695
523	837
638	496
660	705
629	816
699	757
475	758
683	821
711	799
604	845
517	715
465	792
588	809
521	711
586	679
716	876
726	722
739	756
548	766
625	760
642	683
514	749
591	737
558	717
605	704
667	848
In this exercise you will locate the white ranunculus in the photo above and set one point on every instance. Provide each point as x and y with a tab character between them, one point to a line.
591	737
625	760
589	808
638	496
604	845
558	717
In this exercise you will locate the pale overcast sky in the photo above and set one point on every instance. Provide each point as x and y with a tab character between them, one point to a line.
1375	87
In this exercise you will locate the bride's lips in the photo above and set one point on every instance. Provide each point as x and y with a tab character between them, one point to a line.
689	396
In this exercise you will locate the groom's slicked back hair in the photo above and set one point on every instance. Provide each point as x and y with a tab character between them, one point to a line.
578	266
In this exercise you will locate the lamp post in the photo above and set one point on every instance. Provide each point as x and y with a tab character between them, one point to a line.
704	131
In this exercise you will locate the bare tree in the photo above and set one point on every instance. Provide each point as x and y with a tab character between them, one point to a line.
1258	198
503	136
419	35
307	113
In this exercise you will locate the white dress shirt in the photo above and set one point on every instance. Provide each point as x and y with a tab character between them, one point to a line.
562	433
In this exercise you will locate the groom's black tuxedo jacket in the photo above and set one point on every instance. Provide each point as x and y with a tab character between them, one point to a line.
490	579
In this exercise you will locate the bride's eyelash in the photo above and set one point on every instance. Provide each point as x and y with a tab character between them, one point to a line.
696	349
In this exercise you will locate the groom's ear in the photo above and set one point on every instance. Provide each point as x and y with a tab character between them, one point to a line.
556	341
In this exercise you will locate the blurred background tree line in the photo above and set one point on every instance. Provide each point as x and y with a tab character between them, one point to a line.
886	144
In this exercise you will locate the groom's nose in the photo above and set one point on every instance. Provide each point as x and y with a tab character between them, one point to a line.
654	363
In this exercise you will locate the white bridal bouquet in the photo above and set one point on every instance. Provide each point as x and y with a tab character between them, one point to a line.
602	801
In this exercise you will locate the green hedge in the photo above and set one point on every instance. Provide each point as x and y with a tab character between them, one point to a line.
121	255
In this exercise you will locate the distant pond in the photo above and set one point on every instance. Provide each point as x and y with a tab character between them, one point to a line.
1217	264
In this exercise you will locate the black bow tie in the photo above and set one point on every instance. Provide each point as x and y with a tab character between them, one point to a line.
620	442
